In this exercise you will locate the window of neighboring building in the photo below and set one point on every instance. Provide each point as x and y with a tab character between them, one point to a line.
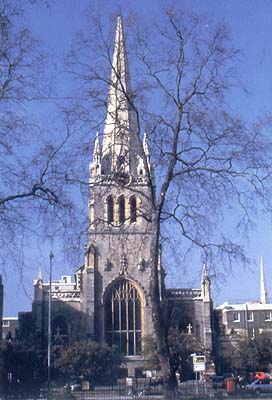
251	333
250	316
267	316
123	318
5	323
133	209
110	210
121	203
236	317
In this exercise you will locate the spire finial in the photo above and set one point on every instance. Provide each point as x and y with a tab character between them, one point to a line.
39	275
119	8
263	285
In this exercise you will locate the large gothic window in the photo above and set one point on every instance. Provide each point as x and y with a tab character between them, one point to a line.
133	209
121	203
110	210
123	318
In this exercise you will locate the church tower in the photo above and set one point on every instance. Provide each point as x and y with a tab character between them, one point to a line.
116	277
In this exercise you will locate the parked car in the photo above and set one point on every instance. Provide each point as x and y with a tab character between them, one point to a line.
73	386
259	386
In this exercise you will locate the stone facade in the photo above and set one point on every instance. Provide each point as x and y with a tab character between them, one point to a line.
192	311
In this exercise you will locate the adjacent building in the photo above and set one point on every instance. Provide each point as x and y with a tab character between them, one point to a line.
9	327
236	322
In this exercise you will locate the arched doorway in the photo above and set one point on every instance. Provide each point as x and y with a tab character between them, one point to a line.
123	320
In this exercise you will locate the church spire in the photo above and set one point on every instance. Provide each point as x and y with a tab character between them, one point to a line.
263	285
120	142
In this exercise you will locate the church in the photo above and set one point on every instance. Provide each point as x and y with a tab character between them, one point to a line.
109	298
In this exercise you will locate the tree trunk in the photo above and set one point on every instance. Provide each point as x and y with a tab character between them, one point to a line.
158	313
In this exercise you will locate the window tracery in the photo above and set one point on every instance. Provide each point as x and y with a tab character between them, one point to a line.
123	318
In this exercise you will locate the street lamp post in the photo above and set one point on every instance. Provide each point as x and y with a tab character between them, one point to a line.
51	256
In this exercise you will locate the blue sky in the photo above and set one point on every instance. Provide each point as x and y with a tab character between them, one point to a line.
250	24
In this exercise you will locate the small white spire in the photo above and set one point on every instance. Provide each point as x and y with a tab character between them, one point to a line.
39	275
97	150
146	147
263	285
205	285
204	272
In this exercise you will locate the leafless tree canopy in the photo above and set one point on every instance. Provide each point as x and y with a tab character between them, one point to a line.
34	191
212	166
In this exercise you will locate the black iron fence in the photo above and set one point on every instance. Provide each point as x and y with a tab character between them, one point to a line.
135	390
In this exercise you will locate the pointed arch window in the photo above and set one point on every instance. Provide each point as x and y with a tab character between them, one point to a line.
123	318
133	209
60	334
121	203
110	210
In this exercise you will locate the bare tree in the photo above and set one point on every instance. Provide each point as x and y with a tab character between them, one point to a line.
210	164
34	196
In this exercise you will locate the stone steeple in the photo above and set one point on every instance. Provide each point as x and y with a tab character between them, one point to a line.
263	285
119	237
121	144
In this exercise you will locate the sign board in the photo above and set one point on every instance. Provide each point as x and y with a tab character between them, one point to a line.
199	359
199	363
199	367
129	381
